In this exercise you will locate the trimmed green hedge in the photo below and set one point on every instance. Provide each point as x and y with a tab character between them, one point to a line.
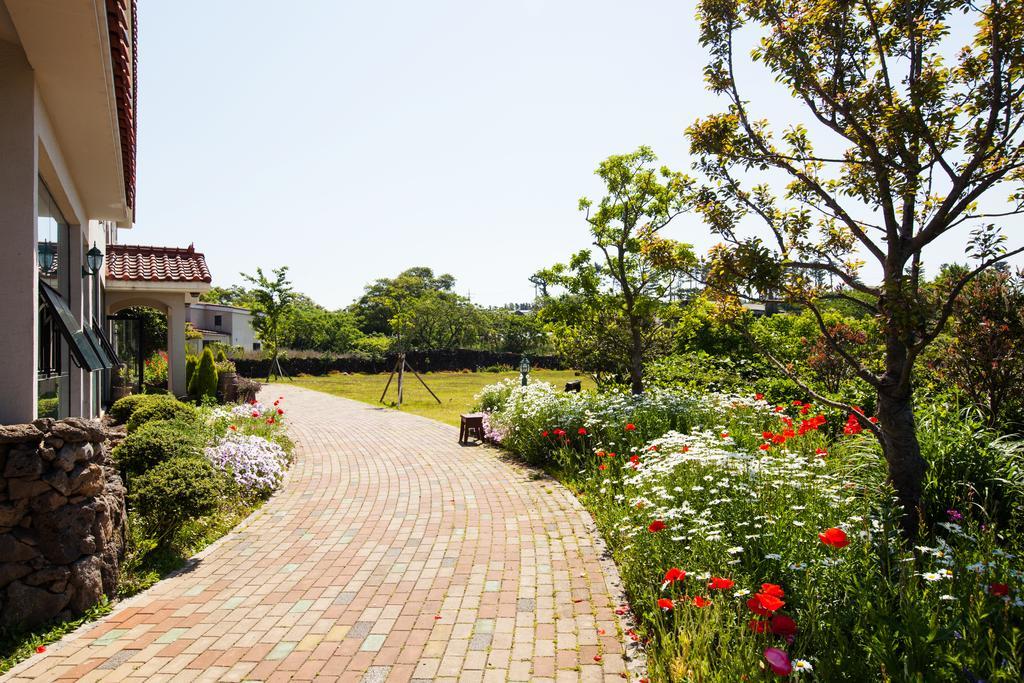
162	410
157	442
123	408
176	492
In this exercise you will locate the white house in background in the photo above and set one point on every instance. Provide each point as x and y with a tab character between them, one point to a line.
231	325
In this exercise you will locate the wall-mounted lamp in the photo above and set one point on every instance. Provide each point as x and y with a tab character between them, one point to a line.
93	261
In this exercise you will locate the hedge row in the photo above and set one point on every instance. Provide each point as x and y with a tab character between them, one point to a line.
422	361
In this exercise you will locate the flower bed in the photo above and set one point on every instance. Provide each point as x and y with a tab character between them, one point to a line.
761	541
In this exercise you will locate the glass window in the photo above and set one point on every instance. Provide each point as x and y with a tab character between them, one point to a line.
52	256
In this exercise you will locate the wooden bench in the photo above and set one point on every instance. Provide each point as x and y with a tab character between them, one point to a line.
471	422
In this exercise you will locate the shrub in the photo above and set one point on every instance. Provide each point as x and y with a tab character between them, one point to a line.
221	356
154	443
175	492
204	382
172	409
191	361
123	408
224	366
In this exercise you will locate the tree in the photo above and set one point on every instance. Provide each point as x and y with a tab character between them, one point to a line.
204	378
271	301
985	356
924	132
634	265
387	297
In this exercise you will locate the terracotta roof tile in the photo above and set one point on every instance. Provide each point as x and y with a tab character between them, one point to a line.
156	264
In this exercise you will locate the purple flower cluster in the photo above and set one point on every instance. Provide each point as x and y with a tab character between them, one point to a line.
256	464
492	432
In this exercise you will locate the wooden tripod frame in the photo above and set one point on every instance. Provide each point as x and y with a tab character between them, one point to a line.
400	366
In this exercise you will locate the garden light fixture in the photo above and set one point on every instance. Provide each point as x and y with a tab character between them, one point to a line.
93	260
524	369
46	256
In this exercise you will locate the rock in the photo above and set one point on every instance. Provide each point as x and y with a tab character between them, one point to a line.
47	454
54	442
72	453
87	480
28	607
14	550
47	502
25	488
65	534
23	462
78	429
9	571
44	424
87	579
48	575
58	479
20	434
11	513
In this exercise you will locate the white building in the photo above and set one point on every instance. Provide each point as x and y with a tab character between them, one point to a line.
67	185
230	325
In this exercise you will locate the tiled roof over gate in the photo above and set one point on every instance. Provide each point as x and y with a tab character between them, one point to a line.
156	264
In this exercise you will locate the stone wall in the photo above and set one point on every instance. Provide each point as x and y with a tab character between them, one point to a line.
62	520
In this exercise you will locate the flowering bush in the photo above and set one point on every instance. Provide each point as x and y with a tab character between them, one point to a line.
760	541
256	464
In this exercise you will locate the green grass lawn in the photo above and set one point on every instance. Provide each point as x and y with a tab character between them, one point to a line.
455	389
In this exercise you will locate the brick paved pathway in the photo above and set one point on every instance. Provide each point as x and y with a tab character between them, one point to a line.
384	524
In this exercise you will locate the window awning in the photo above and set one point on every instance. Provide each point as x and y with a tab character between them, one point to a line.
90	334
81	348
108	348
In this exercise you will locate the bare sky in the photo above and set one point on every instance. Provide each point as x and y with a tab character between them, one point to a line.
351	140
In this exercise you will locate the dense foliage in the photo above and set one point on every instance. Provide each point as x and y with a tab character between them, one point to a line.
204	379
160	410
761	539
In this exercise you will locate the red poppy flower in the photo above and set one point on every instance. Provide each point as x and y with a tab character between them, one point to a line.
805	410
600	631
255	413
834	538
674	574
544	434
611	455
233	428
656	526
820	451
270	421
252	401
634	459
852	426
764	604
725	435
582	431
796	403
873	420
684	449
602	466
765	447
773	589
778	661
277	401
758	397
280	412
779	409
630	427
757	626
665	603
782	625
998	589
700	601
597	658
717	583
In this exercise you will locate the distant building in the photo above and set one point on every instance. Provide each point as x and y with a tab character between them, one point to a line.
230	325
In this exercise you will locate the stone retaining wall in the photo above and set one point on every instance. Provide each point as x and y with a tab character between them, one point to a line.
62	520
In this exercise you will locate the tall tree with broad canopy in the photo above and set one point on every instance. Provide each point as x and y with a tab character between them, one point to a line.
634	265
271	301
918	129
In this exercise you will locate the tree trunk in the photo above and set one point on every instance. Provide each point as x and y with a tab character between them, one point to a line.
636	358
902	452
